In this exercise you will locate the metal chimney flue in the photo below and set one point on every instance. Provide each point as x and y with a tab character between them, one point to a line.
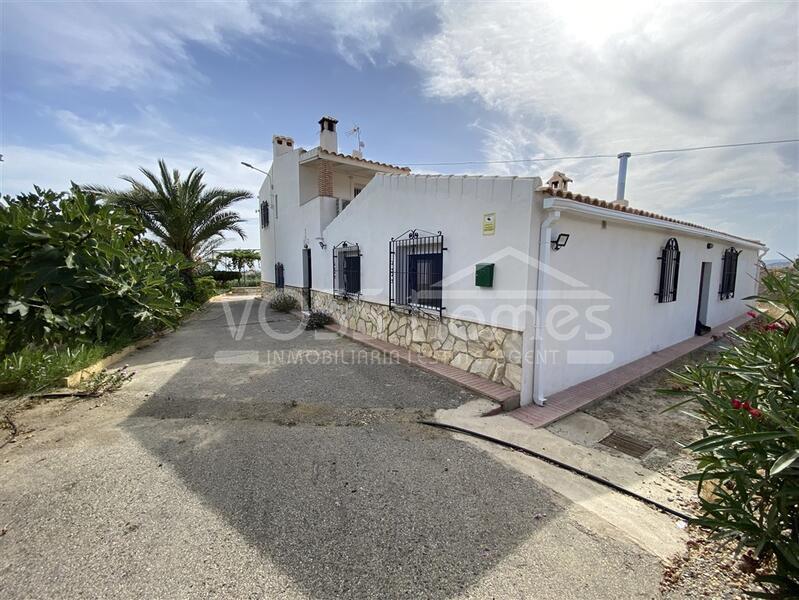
622	178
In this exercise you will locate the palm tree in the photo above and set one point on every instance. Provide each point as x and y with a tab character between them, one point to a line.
183	213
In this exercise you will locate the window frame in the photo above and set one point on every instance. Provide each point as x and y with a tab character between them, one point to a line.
729	273
669	272
406	255
346	279
264	214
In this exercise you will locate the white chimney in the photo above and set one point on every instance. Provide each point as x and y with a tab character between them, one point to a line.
281	144
328	140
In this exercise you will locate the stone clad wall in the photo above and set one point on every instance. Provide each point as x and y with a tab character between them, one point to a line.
491	352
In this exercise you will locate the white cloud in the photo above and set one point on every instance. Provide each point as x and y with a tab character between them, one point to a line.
98	152
123	44
569	79
145	46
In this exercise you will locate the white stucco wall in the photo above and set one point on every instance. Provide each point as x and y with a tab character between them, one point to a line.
392	204
283	240
620	262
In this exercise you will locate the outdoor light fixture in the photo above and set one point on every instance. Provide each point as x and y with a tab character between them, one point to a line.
322	243
249	166
709	245
560	241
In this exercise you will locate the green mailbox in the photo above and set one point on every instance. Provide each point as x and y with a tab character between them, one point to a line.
484	275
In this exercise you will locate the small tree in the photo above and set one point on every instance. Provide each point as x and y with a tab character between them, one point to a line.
748	459
241	259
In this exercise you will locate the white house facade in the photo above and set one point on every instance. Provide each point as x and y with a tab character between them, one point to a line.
518	281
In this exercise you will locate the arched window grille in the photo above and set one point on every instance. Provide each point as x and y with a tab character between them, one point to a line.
729	270
669	271
346	270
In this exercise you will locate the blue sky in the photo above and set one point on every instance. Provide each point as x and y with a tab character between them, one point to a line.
92	91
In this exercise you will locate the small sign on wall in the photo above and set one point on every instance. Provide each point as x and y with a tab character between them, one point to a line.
489	223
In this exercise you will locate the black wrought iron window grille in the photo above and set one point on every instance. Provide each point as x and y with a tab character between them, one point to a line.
346	270
264	214
729	271
415	272
669	271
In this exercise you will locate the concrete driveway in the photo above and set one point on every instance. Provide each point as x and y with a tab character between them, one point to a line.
228	469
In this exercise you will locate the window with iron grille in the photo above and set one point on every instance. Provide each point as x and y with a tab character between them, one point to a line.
346	270
669	271
264	214
729	270
280	281
415	271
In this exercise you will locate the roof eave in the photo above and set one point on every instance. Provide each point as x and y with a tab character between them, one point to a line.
320	154
590	207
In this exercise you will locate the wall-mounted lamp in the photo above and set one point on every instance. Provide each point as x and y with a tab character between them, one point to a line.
560	241
709	245
322	243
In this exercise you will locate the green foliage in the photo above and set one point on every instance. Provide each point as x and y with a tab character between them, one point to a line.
748	460
184	214
318	320
75	270
223	276
241	260
283	302
205	288
35	368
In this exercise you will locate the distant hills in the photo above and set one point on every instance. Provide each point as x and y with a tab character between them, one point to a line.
777	263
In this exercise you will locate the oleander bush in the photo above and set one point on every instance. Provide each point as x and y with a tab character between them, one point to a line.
748	459
73	269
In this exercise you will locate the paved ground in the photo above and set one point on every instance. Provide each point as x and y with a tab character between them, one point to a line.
222	471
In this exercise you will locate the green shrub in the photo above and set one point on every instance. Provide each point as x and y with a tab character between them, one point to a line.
75	270
224	276
34	368
748	459
318	320
205	288
283	302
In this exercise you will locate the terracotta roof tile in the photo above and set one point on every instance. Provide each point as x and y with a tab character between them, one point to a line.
634	211
363	160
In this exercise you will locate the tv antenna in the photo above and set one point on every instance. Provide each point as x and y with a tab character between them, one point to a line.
356	131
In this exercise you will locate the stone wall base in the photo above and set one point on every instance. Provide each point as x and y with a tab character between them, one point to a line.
491	352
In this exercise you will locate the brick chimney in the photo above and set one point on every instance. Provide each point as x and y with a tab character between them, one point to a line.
328	139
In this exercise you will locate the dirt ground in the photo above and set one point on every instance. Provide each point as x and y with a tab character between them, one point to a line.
640	411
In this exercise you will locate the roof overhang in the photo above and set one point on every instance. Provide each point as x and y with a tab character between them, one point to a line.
351	162
611	214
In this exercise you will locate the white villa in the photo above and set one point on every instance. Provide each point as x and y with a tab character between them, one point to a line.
517	280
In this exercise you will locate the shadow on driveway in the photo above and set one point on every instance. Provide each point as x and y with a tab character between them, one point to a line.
321	467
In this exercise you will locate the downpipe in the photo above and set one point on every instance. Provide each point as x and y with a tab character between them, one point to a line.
544	251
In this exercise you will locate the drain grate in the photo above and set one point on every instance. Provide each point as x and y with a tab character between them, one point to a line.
625	443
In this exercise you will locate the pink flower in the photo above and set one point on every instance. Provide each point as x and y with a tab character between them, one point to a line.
755	413
752	314
745	406
736	404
